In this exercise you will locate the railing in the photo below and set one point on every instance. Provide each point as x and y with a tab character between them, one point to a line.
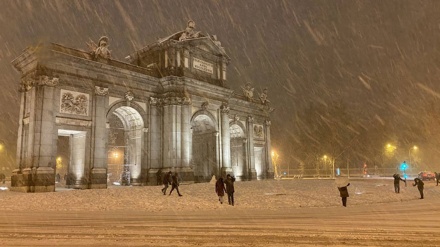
351	172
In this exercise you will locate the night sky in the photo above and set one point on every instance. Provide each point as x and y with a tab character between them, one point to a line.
345	77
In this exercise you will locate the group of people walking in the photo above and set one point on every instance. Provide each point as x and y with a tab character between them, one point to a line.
222	186
173	180
220	189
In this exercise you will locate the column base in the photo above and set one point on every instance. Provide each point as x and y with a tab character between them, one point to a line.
98	178
135	181
186	174
226	170
270	175
252	175
73	182
155	176
30	180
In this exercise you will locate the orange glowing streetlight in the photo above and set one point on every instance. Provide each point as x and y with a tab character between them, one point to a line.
275	158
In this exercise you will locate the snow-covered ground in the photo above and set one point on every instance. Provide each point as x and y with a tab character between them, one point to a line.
301	212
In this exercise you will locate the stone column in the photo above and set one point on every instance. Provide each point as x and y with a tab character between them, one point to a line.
250	127
186	141
167	154
21	134
155	141
269	167
226	140
77	176
98	175
17	178
39	174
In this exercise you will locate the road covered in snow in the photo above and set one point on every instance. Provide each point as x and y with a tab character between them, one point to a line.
267	213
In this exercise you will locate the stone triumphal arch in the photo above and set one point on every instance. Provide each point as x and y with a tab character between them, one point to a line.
167	107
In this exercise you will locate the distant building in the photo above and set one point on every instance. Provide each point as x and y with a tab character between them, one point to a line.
167	108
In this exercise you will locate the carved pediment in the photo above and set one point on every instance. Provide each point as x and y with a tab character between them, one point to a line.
206	44
189	37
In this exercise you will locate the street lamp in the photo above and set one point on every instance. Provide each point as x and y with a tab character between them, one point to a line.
332	163
325	161
275	157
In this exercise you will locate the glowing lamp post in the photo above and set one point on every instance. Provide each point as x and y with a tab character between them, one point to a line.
275	158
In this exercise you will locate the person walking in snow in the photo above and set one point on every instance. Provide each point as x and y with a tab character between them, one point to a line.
230	188
397	179
344	194
175	183
220	189
420	185
166	181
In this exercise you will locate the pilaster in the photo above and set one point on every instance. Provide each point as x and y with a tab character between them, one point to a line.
252	174
98	175
269	168
226	140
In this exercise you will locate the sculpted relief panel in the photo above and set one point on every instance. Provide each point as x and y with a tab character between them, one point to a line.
258	131
74	103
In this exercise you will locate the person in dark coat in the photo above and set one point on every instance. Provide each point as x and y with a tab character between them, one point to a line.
344	194
420	185
230	188
166	181
220	189
397	179
437	177
175	184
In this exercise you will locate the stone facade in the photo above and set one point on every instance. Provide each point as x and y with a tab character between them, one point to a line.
168	108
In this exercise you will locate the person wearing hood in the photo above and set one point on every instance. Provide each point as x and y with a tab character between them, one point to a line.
344	194
420	185
397	179
230	188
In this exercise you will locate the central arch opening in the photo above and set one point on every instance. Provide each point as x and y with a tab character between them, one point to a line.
238	151
125	146
204	148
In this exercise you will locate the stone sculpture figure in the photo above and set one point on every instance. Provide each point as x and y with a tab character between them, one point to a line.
248	91
263	97
100	50
189	32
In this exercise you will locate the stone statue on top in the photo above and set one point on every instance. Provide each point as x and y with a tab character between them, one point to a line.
189	32
101	50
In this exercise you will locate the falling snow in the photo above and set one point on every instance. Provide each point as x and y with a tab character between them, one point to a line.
345	77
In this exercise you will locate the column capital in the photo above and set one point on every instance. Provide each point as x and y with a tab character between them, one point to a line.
250	119
170	100
26	84
267	123
101	91
45	80
224	108
129	96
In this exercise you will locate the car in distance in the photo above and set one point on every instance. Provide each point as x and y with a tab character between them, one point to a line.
426	175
